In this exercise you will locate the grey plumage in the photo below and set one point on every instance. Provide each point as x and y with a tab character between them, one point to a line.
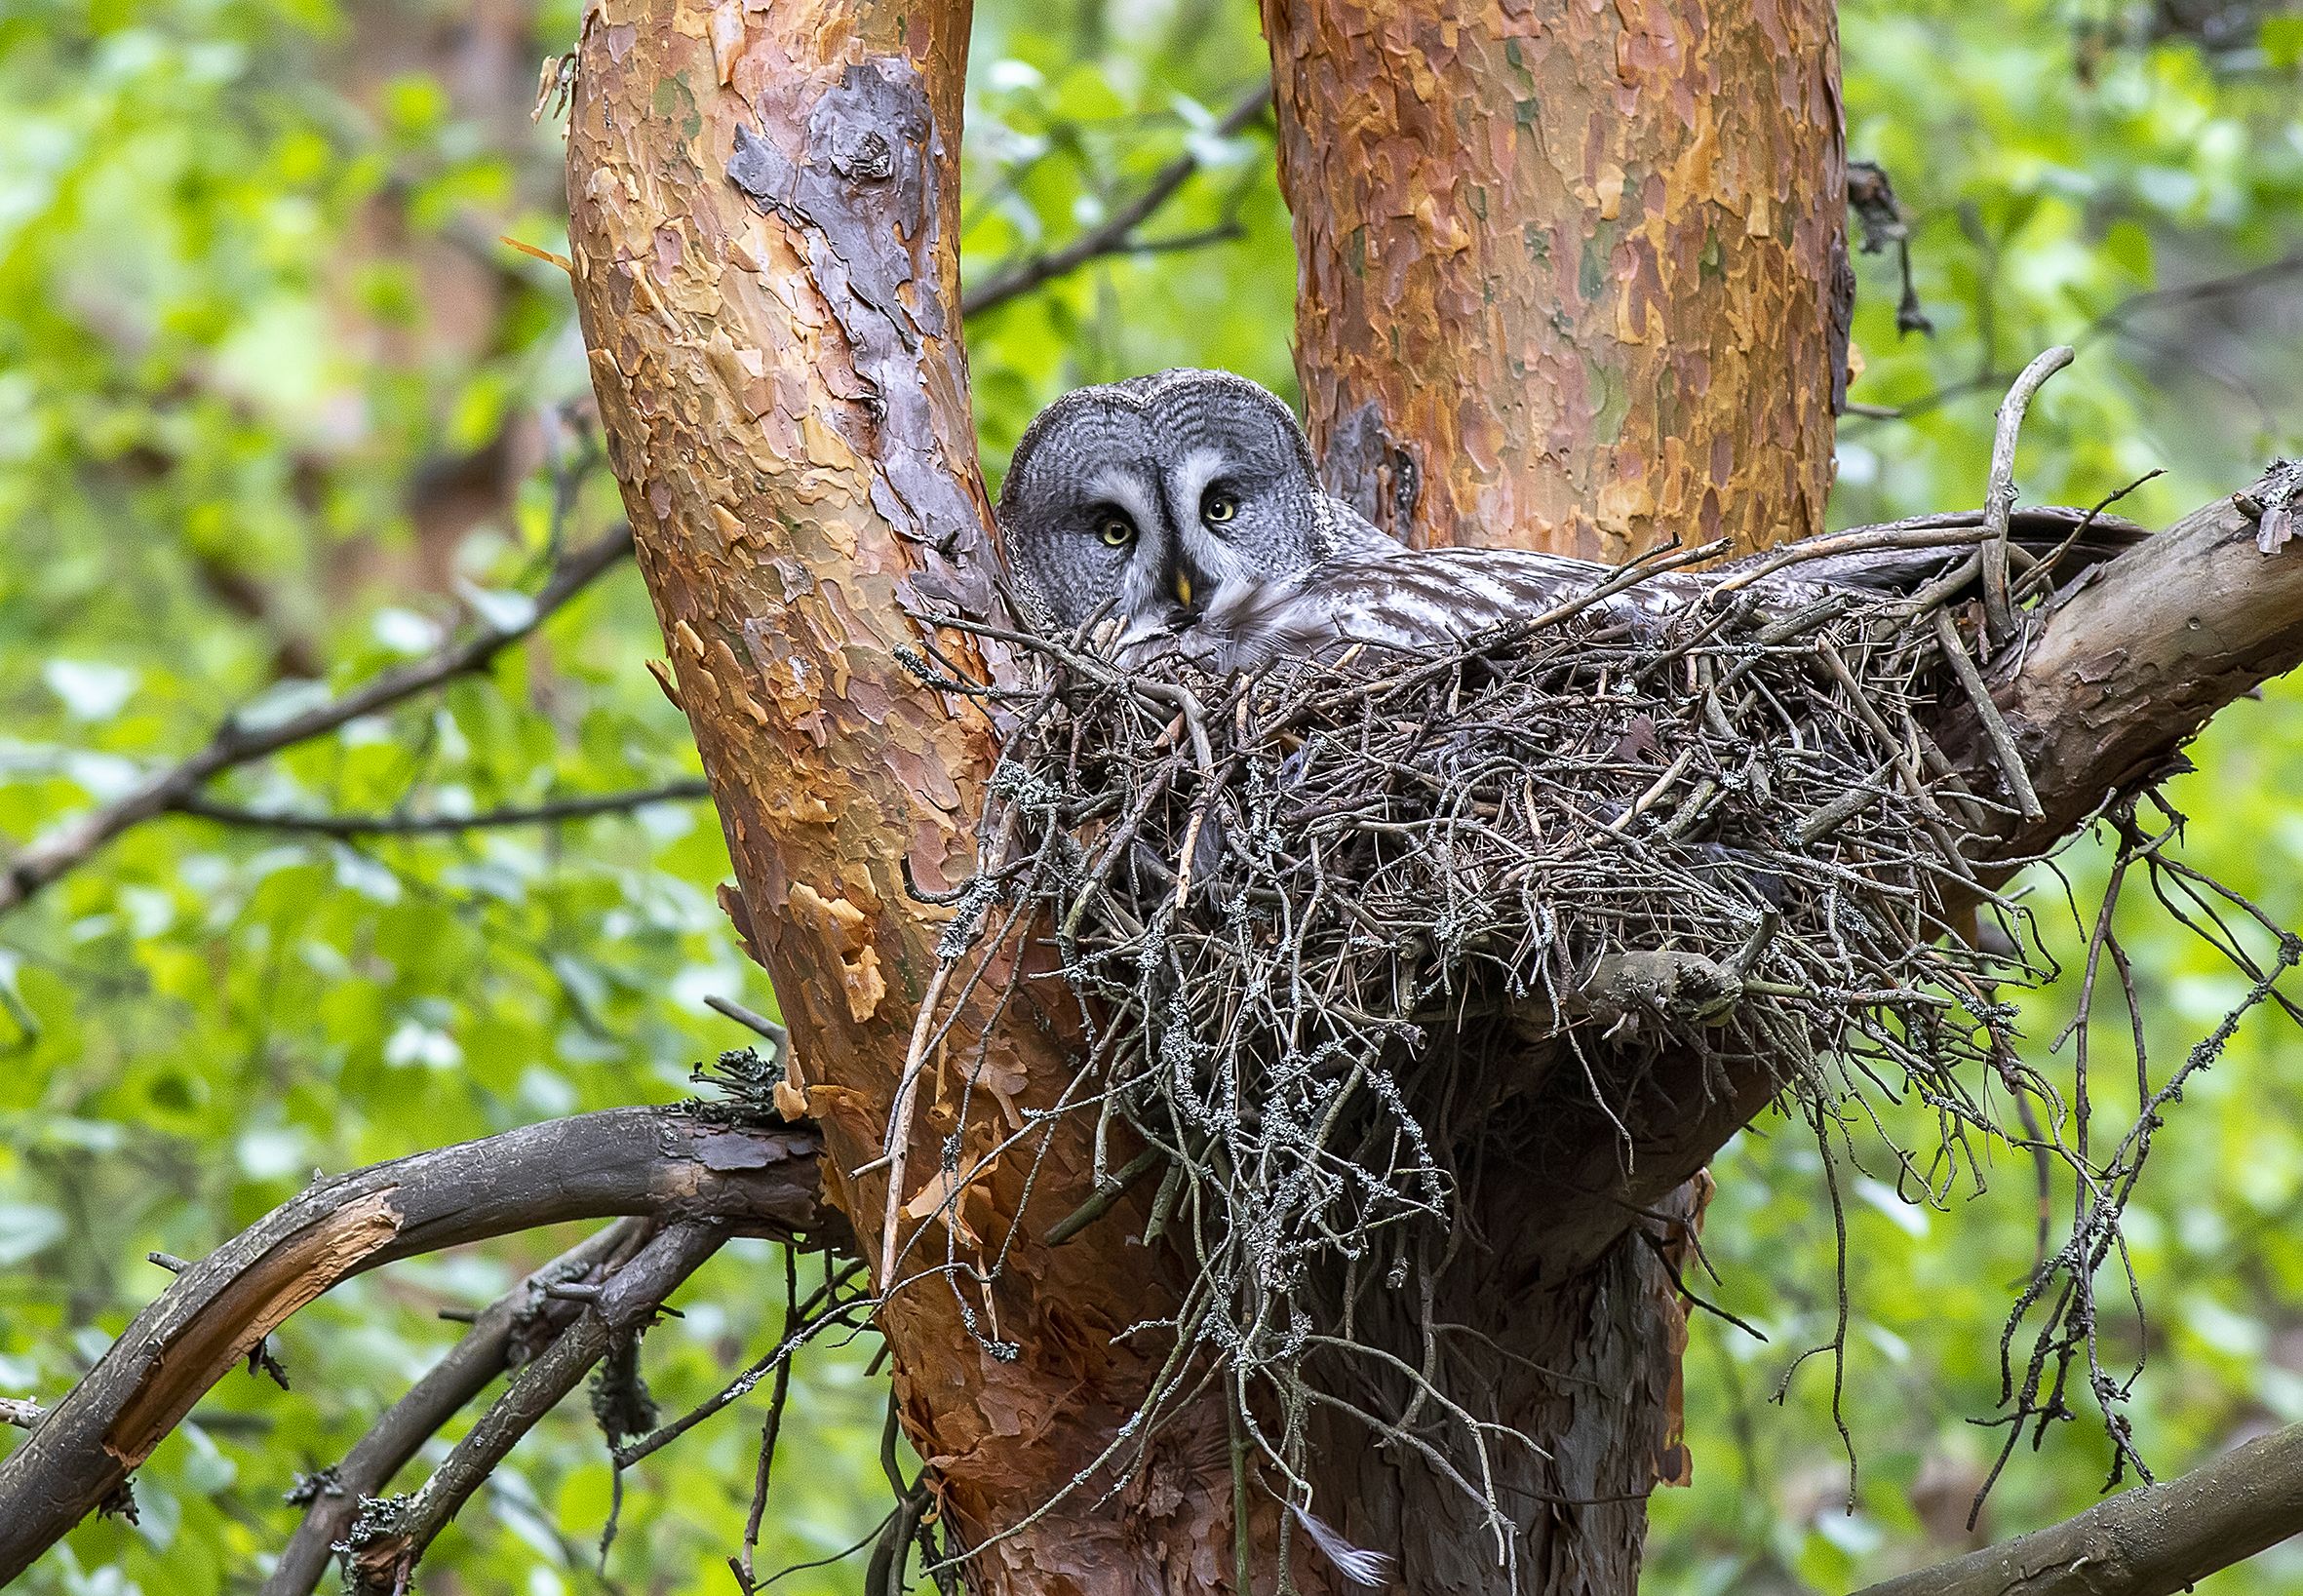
1185	505
1107	497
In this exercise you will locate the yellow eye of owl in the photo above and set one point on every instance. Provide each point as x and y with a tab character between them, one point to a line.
1117	530
1219	508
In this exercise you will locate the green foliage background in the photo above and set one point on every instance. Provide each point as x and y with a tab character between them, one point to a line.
274	401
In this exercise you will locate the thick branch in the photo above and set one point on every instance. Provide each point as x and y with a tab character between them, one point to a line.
2133	662
2149	1541
235	743
484	1352
671	1162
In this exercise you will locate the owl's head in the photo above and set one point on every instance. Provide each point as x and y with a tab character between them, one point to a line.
1154	494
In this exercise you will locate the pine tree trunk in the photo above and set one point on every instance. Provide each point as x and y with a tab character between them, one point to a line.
1571	275
785	397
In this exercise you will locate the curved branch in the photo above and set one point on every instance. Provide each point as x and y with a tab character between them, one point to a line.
670	1162
235	743
484	1352
2149	1541
382	1555
2133	662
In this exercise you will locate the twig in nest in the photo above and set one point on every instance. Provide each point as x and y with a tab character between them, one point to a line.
1999	499
2003	752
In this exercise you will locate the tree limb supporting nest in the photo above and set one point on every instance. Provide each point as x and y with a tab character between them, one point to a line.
678	1165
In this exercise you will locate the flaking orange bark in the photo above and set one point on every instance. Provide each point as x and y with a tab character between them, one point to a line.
1573	275
763	224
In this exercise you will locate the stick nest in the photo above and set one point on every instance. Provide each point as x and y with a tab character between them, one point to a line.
1290	902
1325	927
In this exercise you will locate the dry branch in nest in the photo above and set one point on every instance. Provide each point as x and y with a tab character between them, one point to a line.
1328	928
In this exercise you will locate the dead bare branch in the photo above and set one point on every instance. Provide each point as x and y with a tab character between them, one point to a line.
2000	500
674	1162
484	1352
2124	669
389	1537
2112	324
2149	1541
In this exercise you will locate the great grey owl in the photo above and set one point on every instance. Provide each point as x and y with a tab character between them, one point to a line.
1185	506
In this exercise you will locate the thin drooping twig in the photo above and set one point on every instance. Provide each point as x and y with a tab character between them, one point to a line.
771	1426
1999	499
388	1537
236	742
548	813
676	1161
828	1305
521	1314
1871	198
899	1132
1116	234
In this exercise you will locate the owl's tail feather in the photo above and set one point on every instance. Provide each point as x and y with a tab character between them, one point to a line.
1355	1563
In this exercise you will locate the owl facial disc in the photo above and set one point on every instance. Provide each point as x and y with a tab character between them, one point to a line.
1209	472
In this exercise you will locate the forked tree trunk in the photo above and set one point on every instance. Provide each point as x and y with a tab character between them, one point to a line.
1572	266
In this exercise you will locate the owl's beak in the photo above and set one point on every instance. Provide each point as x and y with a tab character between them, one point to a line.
1190	586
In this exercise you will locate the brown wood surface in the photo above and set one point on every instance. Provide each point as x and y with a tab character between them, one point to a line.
1573	278
1569	275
